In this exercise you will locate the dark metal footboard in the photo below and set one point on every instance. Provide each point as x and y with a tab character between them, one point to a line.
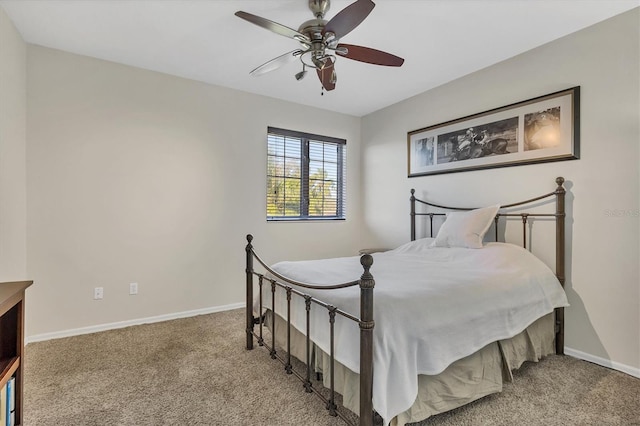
365	322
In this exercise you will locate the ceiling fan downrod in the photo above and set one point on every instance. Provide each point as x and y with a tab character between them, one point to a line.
319	7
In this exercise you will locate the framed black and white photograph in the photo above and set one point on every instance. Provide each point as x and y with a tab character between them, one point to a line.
542	129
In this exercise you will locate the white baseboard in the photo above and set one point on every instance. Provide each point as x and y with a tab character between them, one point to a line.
632	371
122	324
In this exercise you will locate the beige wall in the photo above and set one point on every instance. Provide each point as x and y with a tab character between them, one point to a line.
603	279
13	256
137	176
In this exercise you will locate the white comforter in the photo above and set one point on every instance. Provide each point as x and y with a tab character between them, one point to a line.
432	306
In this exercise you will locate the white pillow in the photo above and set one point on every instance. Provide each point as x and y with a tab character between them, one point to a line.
465	229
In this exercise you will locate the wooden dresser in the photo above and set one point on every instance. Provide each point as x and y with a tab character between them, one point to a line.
12	339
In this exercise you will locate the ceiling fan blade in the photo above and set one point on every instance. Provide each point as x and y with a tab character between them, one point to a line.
368	55
272	26
349	18
276	63
327	76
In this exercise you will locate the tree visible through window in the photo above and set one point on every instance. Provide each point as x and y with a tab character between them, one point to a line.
305	176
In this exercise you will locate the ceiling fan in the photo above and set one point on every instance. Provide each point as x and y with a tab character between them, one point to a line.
319	41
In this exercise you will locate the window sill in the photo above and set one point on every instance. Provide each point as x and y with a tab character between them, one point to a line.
306	219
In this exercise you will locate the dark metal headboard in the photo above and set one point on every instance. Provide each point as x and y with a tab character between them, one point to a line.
559	217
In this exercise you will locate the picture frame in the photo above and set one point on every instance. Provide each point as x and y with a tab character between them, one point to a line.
542	129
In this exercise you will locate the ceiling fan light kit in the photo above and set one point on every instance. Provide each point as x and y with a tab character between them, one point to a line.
299	76
320	41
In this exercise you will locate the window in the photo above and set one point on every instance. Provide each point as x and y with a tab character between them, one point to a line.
305	176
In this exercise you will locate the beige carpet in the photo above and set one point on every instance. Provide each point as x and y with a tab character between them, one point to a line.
195	371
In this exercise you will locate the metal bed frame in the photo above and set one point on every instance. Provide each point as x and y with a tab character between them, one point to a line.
367	283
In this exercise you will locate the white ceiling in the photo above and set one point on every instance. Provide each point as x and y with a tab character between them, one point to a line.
440	40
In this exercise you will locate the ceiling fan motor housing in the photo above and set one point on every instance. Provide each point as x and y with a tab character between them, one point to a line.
313	29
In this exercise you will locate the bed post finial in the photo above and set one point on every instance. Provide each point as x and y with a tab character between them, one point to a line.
367	284
560	180
366	261
249	307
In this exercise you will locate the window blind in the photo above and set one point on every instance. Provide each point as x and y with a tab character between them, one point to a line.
306	176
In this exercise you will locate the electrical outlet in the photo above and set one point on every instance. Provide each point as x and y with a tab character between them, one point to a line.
133	288
98	292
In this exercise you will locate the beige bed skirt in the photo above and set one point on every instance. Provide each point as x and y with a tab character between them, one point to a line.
470	378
